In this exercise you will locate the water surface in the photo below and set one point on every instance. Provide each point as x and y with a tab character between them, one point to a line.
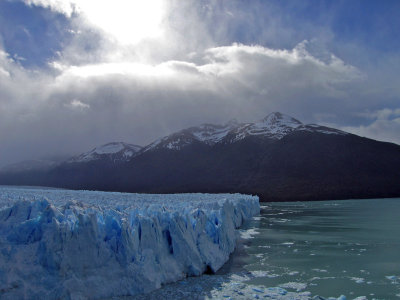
303	249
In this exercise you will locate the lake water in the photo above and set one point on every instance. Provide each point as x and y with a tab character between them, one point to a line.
300	250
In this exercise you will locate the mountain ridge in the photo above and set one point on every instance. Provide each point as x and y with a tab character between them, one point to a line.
278	158
115	151
275	125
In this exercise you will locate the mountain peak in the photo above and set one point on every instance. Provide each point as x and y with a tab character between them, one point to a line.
115	151
274	126
275	114
113	147
277	118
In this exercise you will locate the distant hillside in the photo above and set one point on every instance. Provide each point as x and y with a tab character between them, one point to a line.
278	158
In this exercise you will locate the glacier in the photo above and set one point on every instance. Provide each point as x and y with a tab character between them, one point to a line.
63	244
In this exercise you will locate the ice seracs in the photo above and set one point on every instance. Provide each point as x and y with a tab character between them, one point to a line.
115	152
62	244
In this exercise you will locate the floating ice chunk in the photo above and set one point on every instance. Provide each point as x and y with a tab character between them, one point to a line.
320	270
298	286
263	274
357	279
293	273
274	291
248	234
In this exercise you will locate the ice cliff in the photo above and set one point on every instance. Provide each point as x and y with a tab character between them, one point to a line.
60	244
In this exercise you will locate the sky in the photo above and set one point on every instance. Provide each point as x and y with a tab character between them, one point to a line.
75	74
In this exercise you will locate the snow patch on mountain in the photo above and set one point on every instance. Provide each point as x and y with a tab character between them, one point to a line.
117	151
322	129
274	126
175	141
212	134
62	244
109	148
206	133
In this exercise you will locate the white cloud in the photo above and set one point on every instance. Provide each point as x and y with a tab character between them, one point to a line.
381	114
139	102
76	104
384	127
296	67
61	6
136	93
127	21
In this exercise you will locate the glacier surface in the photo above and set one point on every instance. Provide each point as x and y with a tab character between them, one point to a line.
62	244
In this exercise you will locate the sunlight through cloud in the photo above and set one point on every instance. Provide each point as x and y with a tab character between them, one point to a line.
128	21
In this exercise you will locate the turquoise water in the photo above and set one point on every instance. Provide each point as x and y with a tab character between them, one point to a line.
340	247
303	249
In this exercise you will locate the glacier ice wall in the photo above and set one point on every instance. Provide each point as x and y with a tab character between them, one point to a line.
61	244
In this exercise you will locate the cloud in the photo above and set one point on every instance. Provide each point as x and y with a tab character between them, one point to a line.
77	107
100	89
263	67
385	125
76	104
66	7
126	21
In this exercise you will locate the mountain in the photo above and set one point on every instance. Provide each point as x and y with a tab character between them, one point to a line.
278	158
274	126
115	152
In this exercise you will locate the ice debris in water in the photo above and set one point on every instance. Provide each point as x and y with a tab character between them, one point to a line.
341	297
60	244
248	234
298	286
357	279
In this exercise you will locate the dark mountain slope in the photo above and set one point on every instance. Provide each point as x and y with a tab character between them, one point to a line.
277	158
309	166
301	166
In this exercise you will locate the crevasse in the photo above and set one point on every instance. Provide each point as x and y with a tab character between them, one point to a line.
119	244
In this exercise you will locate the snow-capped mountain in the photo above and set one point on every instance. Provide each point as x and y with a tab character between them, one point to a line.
115	152
274	126
278	158
207	133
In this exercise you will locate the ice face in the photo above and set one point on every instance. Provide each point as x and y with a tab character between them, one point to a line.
79	244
